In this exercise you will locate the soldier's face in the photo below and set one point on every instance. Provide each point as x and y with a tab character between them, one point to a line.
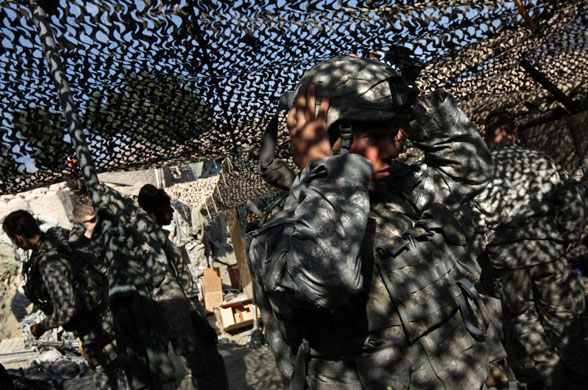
379	143
164	214
90	222
498	135
20	241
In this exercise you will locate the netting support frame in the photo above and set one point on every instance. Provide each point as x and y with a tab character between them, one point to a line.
72	121
568	103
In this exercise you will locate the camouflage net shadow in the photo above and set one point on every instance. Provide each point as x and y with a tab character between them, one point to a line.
162	83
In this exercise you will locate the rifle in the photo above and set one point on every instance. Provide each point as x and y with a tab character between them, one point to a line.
72	345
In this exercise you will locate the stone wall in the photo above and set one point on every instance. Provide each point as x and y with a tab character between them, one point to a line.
52	203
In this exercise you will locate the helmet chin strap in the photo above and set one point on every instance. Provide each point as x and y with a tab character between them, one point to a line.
346	131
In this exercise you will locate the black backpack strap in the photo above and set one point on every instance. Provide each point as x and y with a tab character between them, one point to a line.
272	169
474	328
298	378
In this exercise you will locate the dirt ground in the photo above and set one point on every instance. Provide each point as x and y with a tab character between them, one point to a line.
247	369
250	369
10	278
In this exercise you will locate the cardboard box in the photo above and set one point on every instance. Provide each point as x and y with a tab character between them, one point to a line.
213	289
235	314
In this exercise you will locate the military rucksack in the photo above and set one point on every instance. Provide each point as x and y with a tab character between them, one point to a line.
89	284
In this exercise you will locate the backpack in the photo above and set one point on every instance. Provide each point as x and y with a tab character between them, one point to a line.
90	285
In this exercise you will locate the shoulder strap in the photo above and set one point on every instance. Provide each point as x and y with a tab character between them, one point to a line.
272	169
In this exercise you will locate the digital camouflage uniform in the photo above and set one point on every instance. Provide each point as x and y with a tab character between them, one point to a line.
65	299
149	306
524	222
190	250
193	339
49	280
127	235
357	282
90	248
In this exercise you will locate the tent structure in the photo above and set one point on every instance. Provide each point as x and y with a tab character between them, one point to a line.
161	82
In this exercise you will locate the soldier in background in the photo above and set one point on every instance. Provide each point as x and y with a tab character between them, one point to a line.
524	223
64	285
80	236
192	338
85	221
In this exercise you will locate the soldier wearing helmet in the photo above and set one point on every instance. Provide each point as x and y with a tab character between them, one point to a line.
363	278
524	225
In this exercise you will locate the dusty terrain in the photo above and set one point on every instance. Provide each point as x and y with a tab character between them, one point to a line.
9	280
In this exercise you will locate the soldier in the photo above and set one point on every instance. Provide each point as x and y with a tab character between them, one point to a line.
85	221
80	237
363	278
67	289
524	223
193	339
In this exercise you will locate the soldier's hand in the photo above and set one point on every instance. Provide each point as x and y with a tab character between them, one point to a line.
37	330
308	131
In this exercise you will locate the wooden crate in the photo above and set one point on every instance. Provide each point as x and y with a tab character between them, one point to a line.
213	289
235	314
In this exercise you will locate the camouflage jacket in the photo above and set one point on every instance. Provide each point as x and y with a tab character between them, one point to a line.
333	201
530	199
49	280
132	243
91	248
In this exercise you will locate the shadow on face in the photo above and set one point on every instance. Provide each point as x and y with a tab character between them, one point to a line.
380	143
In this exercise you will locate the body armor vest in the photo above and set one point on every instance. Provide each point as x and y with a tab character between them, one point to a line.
417	275
422	271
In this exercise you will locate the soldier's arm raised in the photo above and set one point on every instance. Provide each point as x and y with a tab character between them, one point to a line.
457	163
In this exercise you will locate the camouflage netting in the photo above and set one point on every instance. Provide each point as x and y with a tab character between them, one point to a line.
160	82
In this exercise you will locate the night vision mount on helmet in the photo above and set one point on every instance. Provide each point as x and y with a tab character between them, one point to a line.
361	90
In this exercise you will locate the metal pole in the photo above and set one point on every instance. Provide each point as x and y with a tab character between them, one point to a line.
563	99
157	179
530	22
57	74
550	87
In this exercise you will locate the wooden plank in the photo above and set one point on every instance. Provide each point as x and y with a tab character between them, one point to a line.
238	241
213	289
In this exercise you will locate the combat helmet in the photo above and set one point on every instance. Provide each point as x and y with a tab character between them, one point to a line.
361	90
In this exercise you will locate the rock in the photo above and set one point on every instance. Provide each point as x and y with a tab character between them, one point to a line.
50	207
57	186
39	191
51	355
12	205
30	196
129	178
